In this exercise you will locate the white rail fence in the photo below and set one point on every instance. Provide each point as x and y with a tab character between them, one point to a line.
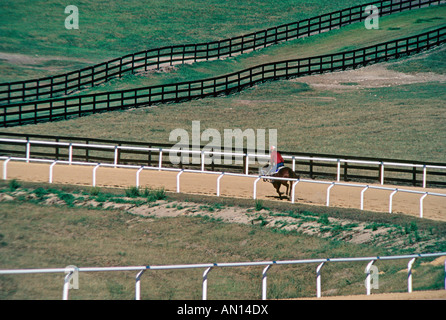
256	179
205	154
73	272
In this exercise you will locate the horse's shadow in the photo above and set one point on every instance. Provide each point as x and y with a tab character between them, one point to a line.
279	197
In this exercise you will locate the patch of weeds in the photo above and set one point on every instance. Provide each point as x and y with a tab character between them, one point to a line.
132	192
212	208
374	226
262	219
94	191
259	205
153	195
337	229
412	227
101	197
13	185
218	206
40	192
280	224
207	208
210	219
68	198
323	219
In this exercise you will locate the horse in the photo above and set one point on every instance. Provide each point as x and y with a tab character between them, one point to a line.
284	172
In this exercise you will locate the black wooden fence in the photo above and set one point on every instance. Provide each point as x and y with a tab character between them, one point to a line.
49	87
67	107
317	169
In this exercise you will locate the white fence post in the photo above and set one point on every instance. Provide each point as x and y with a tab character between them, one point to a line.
50	180
255	188
72	273
318	280
202	160
382	173
205	283
421	203
368	278
178	180
293	188
328	193
137	176
66	286
115	162
338	170
362	197
264	280
424	176
70	153
160	160
5	170
409	275
138	285
391	200
94	174
28	150
218	183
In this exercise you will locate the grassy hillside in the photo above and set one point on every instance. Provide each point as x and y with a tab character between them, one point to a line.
108	29
348	38
35	234
381	120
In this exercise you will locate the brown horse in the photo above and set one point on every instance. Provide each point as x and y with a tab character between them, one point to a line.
288	173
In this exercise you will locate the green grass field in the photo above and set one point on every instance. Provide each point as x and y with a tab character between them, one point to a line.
378	121
351	37
109	29
33	234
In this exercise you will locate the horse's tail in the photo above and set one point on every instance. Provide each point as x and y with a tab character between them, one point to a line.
294	175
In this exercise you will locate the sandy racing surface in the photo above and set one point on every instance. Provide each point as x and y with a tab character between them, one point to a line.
230	186
415	295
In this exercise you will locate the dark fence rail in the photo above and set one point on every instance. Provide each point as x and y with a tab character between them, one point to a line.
49	87
313	168
68	107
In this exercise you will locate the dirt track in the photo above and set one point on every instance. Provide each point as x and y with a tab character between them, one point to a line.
415	295
206	184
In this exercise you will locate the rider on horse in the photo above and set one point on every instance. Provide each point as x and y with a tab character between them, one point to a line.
276	159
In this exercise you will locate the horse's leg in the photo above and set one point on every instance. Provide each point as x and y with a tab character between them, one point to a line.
288	188
277	186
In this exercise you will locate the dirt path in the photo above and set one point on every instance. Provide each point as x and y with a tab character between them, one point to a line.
415	295
374	76
239	187
23	59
